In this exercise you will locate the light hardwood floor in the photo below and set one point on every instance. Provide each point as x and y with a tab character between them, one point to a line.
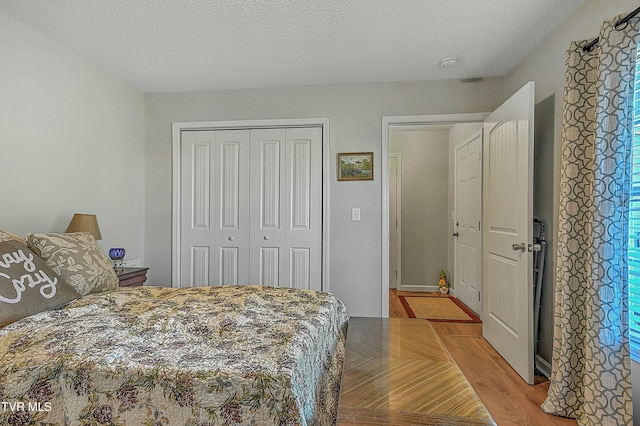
398	372
507	397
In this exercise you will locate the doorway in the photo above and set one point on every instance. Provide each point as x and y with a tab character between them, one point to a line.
388	123
507	229
421	224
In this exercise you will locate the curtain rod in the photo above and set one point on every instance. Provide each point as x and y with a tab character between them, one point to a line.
589	46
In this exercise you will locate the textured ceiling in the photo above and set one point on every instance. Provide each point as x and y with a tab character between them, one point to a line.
185	45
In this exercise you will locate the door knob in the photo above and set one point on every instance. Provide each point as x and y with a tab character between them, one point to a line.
455	234
266	237
522	247
230	238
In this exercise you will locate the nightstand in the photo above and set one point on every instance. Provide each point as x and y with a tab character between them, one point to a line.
132	277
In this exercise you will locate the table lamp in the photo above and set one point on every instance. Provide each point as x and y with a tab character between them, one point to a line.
85	223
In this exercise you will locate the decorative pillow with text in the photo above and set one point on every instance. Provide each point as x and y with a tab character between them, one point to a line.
27	285
8	236
77	258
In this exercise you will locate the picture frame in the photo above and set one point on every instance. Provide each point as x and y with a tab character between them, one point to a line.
355	166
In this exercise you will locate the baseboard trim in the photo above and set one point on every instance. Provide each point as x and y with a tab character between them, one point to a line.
417	287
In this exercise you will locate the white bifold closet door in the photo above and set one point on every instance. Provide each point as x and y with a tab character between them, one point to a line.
251	208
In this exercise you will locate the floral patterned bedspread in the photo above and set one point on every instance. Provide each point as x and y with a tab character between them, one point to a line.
165	356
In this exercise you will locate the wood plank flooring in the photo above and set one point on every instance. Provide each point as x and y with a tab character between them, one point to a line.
397	371
509	400
507	397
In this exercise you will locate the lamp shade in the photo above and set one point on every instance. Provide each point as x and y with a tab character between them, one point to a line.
85	223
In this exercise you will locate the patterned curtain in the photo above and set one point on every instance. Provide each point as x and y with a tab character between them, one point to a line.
591	376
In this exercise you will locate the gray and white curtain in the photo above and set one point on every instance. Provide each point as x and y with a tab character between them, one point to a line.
591	378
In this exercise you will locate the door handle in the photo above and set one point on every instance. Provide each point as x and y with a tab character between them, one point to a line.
230	238
266	237
455	234
522	247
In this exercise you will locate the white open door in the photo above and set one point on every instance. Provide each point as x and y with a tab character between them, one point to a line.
508	229
467	224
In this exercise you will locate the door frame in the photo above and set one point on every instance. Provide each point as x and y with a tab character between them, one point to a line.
404	120
398	157
179	126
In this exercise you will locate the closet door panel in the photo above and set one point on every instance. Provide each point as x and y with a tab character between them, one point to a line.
231	207
197	232
303	234
214	246
267	205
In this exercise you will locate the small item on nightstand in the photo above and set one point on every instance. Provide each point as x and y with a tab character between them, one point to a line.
117	254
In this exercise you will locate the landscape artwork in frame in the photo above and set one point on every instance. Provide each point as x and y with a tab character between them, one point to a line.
355	166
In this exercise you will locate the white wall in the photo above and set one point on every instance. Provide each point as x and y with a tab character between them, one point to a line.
355	113
425	162
71	140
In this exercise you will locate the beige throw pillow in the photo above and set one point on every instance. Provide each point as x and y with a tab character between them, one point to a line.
27	285
77	258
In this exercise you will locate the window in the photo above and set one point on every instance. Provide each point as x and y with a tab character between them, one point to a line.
634	225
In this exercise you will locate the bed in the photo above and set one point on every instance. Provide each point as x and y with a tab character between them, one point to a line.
163	356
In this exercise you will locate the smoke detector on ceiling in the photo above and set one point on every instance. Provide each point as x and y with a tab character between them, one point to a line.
448	62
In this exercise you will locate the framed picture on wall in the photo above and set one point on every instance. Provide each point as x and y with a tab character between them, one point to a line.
355	166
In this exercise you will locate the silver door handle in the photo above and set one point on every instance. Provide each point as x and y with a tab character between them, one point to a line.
522	247
266	237
230	238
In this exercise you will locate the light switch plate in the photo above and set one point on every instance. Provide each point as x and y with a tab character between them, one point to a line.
355	214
